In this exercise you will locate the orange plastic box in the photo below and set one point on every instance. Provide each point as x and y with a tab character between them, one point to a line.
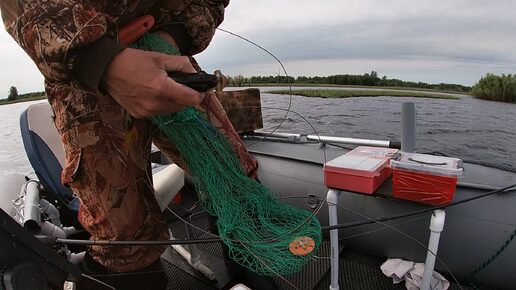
356	173
425	178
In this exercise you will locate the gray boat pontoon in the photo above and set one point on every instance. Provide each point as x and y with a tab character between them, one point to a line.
476	246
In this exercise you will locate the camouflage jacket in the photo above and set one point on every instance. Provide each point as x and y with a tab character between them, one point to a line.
75	40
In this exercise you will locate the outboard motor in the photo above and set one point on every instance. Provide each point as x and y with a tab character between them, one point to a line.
28	263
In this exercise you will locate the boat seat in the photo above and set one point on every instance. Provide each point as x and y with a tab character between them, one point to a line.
46	155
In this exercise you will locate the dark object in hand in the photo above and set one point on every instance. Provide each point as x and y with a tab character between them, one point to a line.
200	81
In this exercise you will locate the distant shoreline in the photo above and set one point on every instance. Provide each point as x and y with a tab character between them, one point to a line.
21	100
333	93
373	92
350	86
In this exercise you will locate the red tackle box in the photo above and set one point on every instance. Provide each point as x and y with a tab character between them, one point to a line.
425	178
362	170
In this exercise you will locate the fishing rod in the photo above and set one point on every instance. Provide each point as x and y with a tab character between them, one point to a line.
506	189
330	139
127	243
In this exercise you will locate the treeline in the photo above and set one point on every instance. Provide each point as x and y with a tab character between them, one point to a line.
367	79
496	88
31	95
14	97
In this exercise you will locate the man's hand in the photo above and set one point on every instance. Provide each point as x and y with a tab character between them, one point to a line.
138	81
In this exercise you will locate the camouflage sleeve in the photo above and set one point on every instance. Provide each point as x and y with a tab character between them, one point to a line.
51	32
195	22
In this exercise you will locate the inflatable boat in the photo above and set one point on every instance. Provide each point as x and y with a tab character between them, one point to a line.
476	246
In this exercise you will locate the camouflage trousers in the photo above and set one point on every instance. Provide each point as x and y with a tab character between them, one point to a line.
107	166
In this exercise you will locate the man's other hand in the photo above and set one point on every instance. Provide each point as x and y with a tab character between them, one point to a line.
138	81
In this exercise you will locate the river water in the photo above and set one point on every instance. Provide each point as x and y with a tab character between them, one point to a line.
468	128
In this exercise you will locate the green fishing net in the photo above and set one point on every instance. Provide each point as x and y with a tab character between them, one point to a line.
266	236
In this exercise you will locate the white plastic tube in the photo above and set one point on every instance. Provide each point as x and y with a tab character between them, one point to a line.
50	210
51	230
76	258
167	182
71	231
199	266
31	212
332	198
436	227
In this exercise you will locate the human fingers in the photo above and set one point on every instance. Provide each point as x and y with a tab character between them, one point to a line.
180	94
176	63
161	108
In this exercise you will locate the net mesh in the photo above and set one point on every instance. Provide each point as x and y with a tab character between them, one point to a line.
259	231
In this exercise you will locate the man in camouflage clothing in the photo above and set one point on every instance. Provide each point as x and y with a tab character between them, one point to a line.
101	92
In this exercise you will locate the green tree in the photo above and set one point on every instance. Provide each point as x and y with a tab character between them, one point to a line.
239	80
13	94
496	88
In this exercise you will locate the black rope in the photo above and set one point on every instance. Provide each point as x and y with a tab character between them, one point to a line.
494	256
502	166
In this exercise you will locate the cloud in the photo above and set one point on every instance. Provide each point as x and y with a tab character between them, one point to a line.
468	37
433	41
16	68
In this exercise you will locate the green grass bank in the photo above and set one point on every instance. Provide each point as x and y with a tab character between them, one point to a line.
25	98
333	93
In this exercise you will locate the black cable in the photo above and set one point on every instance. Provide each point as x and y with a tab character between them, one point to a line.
339	146
360	223
326	228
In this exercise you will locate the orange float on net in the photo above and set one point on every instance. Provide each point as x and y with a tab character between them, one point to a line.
302	246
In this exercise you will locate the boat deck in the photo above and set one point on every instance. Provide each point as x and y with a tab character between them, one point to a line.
358	270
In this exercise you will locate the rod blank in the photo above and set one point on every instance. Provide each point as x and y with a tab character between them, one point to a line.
330	139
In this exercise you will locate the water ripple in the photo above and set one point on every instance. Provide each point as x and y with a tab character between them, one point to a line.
467	128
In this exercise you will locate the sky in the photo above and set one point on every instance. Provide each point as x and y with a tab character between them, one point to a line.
451	41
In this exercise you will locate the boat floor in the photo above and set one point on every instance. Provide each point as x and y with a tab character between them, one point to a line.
358	270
